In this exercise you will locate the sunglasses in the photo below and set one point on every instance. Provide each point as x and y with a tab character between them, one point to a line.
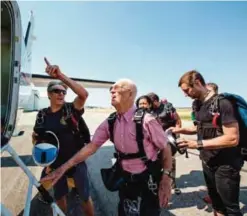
59	91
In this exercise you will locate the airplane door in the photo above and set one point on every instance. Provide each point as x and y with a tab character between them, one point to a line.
11	36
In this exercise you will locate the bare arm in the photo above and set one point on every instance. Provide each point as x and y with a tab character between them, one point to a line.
230	138
101	135
78	89
167	158
82	94
80	156
188	131
178	120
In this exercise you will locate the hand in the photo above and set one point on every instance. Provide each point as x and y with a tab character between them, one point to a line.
183	143
54	176
175	130
52	70
165	191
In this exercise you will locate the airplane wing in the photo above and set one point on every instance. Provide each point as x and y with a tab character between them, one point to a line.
40	80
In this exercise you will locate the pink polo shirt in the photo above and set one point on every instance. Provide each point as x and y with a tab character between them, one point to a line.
125	138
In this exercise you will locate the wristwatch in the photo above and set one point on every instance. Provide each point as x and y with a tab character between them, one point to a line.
199	145
168	173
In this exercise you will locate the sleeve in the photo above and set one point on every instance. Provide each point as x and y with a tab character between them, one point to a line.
227	112
76	111
35	123
101	134
156	133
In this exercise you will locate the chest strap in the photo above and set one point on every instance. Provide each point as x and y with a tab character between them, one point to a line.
138	119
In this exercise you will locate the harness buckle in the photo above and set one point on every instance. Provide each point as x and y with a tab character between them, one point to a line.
138	115
243	151
144	159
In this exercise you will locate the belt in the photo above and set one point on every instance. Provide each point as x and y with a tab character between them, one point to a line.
136	177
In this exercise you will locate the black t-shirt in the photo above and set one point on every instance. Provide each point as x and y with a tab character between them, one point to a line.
164	114
204	116
55	122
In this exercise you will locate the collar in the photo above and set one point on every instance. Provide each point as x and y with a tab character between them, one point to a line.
129	114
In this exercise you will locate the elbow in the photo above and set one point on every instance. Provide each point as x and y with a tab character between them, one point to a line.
84	95
234	140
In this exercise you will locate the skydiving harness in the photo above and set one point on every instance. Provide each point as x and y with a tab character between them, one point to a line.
74	122
115	176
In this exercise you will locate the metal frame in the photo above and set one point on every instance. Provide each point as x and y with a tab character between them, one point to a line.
32	182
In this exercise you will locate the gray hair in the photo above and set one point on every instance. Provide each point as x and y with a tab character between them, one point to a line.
52	84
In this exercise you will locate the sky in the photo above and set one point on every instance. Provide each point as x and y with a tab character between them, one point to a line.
151	43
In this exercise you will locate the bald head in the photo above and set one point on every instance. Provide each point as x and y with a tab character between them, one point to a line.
129	84
123	94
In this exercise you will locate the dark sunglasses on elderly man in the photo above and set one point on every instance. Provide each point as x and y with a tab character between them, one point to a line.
59	91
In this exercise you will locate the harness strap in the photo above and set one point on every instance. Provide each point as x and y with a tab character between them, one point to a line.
111	120
138	118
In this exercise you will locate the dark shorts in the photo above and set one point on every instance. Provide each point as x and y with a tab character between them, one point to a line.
81	180
223	188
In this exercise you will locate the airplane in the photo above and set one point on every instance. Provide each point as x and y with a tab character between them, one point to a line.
17	86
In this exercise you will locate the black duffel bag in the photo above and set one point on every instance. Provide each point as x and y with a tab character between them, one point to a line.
113	177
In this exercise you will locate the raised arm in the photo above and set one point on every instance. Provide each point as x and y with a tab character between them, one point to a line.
82	94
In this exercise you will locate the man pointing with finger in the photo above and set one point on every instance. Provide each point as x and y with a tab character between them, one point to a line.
63	119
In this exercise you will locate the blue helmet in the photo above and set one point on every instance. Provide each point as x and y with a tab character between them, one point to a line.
46	150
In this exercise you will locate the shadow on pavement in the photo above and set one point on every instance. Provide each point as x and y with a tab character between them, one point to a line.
108	200
9	162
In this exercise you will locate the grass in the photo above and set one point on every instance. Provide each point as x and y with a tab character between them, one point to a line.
185	114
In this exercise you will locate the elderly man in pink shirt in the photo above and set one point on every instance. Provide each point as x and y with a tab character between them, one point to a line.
144	196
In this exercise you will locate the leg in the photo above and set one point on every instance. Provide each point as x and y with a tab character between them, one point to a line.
149	200
129	200
228	186
88	207
82	186
62	203
60	192
174	185
209	176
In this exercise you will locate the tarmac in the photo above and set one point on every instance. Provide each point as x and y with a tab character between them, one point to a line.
190	180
